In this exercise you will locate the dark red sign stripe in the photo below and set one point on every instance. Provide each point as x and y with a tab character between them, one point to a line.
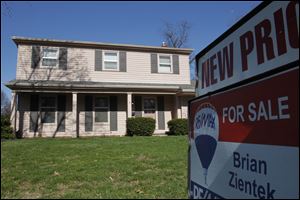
284	132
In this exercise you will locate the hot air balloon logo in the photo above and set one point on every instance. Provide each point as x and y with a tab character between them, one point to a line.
206	132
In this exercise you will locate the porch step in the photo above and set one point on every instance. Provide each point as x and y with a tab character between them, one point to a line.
160	133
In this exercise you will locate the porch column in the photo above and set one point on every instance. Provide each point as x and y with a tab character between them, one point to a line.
74	114
13	108
178	107
129	104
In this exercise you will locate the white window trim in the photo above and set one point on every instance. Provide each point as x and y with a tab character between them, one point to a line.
103	61
95	107
55	107
158	63
42	57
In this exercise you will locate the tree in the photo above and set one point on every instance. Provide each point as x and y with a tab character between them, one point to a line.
176	35
6	130
5	104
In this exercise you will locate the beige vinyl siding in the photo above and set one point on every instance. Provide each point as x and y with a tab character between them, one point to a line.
99	129
103	128
48	129
169	105
44	130
23	62
81	65
24	103
184	106
77	69
122	115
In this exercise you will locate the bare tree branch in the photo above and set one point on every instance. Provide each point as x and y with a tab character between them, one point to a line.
5	104
176	35
76	71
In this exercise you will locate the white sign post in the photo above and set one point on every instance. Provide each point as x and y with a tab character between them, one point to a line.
244	124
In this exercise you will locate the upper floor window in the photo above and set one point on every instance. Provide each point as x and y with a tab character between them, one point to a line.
111	60
50	57
101	109
165	64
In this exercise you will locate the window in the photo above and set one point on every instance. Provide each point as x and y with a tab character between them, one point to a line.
101	109
149	105
50	57
48	107
111	61
165	64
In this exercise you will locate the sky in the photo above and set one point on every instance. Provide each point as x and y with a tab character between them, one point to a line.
139	23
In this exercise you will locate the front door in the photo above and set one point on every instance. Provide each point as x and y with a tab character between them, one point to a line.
149	107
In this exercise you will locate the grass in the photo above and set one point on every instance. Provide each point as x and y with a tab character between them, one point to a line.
108	167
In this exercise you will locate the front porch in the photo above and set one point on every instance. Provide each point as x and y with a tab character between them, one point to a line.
76	114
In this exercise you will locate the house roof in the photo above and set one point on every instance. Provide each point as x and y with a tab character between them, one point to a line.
92	86
88	44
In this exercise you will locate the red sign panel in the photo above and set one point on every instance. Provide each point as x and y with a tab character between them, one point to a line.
263	112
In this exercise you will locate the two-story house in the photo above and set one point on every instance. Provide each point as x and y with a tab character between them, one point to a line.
76	88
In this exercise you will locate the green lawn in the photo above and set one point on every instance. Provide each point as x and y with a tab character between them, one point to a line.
106	167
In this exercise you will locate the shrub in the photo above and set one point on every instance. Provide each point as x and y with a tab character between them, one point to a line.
178	127
143	126
6	129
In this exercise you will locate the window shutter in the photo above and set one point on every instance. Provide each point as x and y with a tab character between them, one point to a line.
138	106
154	67
122	61
98	60
161	112
175	59
63	58
61	113
34	108
88	113
113	104
35	56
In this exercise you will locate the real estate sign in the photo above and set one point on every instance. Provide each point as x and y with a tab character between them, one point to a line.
244	124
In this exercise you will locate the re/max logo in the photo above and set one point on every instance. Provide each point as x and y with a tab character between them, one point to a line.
205	120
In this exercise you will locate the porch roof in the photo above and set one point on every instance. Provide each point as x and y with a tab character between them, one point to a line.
98	86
